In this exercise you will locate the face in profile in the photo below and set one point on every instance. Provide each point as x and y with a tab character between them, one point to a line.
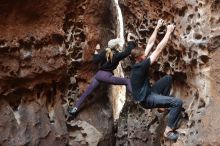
97	47
137	54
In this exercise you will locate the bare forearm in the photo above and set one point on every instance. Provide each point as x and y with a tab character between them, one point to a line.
151	42
152	38
162	44
164	41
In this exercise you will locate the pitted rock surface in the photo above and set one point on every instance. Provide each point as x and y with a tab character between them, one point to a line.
46	49
189	58
45	65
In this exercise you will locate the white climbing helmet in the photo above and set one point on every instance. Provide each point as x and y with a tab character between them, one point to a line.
114	42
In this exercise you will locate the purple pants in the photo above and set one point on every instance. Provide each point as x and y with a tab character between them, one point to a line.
106	77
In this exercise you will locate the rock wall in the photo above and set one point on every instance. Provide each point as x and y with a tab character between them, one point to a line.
88	23
45	65
46	49
190	57
32	74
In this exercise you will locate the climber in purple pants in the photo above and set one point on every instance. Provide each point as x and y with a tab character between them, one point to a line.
106	77
156	96
108	62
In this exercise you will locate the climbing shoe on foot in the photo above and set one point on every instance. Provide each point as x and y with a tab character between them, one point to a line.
172	135
72	111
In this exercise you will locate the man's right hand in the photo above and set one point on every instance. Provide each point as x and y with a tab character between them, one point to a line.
170	28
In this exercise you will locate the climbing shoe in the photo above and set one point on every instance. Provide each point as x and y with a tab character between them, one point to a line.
72	110
172	135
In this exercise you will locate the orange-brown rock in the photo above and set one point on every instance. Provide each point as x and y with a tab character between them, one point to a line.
45	63
42	45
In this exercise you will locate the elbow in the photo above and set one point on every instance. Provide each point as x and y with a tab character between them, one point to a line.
128	53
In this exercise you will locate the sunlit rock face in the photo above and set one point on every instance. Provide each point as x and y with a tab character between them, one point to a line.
190	57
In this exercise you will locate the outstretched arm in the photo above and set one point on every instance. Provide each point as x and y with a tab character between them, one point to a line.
127	51
152	38
162	44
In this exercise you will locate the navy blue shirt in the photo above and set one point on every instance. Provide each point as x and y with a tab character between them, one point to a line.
117	57
139	80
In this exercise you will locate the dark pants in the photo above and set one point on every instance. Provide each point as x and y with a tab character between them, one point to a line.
159	98
106	77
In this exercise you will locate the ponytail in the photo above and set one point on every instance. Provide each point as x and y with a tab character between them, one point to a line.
109	54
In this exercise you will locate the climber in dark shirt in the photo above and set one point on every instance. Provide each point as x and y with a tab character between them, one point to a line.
156	96
108	62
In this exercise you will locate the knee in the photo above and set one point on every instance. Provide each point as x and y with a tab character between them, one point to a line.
128	81
178	102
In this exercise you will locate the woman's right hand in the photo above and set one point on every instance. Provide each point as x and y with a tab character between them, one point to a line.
129	37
